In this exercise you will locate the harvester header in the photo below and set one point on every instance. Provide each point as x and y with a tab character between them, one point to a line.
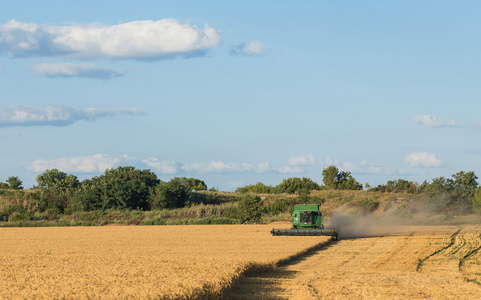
307	219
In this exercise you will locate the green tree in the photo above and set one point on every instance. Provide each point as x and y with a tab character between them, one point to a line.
250	209
259	188
477	201
124	187
56	181
329	177
367	205
193	183
456	193
172	194
56	189
295	185
345	181
437	186
15	183
399	186
335	179
89	196
464	185
118	188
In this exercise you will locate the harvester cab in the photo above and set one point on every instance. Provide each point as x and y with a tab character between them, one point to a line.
307	220
307	216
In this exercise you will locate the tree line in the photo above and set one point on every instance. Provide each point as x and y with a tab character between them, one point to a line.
119	188
461	191
130	188
333	179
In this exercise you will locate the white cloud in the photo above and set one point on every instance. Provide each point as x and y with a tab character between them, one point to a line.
291	170
296	164
13	136
223	167
164	167
100	162
364	167
55	115
80	164
476	125
146	39
75	70
216	167
329	162
431	121
423	159
263	167
253	48
348	166
302	160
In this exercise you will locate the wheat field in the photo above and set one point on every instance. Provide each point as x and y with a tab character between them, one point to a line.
137	262
205	261
441	262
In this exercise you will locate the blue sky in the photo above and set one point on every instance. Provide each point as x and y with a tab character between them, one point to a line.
242	92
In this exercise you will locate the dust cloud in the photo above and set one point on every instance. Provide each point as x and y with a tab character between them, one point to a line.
350	225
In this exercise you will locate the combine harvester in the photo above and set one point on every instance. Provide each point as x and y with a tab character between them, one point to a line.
307	220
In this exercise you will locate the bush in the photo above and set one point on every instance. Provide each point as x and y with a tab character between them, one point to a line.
398	186
193	184
250	209
204	197
15	183
17	210
278	206
297	185
172	194
404	211
258	188
437	203
477	201
334	179
367	205
440	219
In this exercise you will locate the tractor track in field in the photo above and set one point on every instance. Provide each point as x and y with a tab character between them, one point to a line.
463	260
372	267
453	240
465	257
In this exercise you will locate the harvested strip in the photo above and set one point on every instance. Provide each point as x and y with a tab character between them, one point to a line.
382	267
453	239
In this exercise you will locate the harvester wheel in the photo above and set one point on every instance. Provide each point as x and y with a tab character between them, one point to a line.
335	237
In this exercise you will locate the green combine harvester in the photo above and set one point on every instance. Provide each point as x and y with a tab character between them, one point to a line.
307	220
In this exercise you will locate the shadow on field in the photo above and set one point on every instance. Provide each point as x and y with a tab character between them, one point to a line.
270	284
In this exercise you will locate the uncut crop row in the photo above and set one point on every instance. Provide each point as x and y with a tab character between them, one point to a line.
137	262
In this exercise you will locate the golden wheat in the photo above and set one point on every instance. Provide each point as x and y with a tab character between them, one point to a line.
136	261
416	262
185	262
